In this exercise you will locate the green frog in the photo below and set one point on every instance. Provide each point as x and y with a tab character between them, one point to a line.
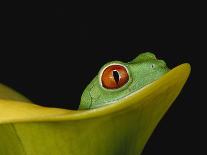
117	80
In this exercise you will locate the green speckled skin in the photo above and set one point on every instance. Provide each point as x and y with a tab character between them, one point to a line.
142	70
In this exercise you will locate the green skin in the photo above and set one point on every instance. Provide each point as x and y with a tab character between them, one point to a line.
142	70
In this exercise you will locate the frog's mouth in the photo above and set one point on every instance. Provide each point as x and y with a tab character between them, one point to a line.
164	90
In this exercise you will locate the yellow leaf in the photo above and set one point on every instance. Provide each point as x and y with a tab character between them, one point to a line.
122	128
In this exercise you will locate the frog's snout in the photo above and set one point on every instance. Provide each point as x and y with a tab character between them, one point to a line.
162	63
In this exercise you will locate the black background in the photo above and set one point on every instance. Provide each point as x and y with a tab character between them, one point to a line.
51	52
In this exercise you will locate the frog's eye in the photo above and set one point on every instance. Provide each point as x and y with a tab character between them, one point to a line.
114	76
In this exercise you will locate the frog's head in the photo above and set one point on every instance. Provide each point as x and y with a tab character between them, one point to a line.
117	80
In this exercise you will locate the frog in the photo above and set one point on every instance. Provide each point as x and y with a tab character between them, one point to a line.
117	80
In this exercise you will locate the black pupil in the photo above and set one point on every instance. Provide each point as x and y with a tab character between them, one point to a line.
116	76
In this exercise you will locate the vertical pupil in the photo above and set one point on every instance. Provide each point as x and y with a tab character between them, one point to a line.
116	76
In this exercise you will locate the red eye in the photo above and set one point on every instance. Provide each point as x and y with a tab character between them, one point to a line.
114	76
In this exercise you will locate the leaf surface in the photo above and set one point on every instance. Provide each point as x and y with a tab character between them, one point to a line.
119	128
